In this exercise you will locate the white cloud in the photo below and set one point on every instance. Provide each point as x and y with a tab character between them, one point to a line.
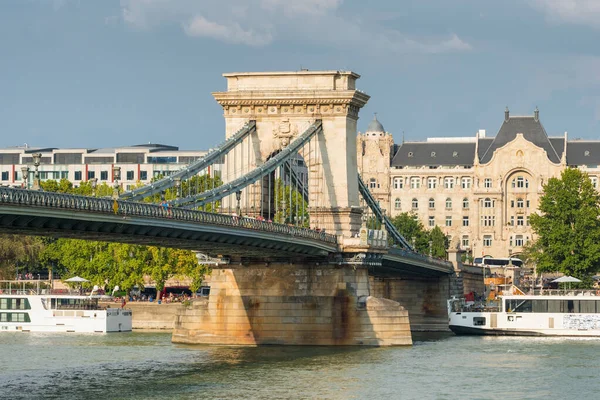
307	7
262	22
232	33
586	12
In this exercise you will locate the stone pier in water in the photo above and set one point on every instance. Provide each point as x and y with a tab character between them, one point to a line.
292	304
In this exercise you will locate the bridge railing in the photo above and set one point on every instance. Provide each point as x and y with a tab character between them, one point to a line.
127	208
421	257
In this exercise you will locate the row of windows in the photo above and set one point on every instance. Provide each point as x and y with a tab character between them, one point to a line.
14	317
57	175
448	221
431	203
553	306
485	203
465	183
14	304
415	183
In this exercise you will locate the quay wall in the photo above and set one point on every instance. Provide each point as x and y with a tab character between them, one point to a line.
300	304
151	315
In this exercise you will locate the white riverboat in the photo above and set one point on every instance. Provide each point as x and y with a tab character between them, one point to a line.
549	313
26	307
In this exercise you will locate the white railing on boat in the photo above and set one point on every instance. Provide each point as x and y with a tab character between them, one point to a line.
28	288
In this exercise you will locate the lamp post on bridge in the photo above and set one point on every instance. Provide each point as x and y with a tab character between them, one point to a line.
93	184
431	248
414	240
116	177
25	172
37	158
177	187
238	197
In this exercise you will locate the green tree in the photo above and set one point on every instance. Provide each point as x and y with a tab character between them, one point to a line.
287	212
19	253
568	226
411	228
439	242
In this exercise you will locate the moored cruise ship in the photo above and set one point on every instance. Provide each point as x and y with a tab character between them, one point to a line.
43	310
554	313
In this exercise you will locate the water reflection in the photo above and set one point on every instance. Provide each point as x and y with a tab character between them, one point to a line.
147	365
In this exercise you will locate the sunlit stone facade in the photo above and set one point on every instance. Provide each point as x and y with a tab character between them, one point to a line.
480	190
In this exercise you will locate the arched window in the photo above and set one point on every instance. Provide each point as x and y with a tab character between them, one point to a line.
448	203
431	203
415	204
397	204
465	203
488	203
372	183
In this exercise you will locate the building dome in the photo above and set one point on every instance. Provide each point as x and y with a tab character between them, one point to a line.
375	126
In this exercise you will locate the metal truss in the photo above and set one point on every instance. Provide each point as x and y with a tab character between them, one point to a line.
240	183
374	206
192	169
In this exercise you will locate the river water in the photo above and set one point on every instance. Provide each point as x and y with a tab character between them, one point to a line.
143	365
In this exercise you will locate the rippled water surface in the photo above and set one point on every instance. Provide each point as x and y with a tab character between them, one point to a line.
148	366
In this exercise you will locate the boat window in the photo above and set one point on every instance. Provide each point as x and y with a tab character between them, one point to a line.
518	305
14	304
478	321
555	306
14	317
540	306
587	306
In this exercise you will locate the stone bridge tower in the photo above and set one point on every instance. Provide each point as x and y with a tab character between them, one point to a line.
285	104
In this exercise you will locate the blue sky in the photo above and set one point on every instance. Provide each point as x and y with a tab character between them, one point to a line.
84	73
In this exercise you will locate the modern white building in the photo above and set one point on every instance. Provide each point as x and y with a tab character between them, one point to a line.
139	163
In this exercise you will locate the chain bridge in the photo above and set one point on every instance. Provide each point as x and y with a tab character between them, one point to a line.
308	256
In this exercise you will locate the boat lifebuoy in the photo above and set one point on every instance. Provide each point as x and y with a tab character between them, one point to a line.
597	292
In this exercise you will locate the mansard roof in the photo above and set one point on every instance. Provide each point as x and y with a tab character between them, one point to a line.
583	152
532	130
413	154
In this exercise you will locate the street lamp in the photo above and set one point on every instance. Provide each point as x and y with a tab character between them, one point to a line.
509	264
414	239
37	158
94	183
177	187
431	248
238	197
116	177
25	172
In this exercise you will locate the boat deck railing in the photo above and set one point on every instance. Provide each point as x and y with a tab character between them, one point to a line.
563	292
29	288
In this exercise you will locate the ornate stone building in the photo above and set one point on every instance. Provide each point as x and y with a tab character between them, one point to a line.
480	190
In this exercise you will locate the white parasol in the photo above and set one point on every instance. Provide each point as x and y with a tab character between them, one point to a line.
76	279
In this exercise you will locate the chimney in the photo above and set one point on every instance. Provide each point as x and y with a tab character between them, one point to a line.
506	114
536	114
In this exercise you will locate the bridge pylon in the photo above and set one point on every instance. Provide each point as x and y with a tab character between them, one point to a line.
284	104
